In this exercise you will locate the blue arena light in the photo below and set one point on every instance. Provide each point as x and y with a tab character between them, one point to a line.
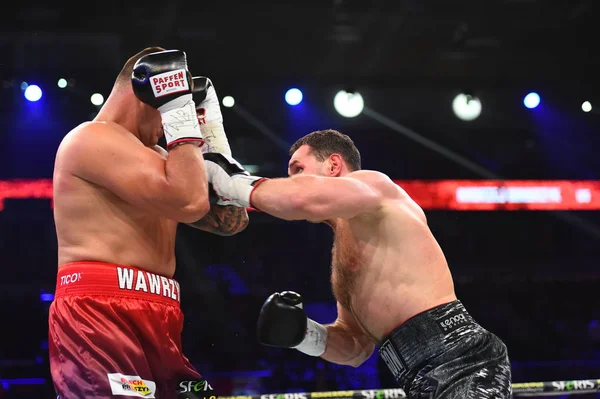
45	297
293	96
33	93
531	100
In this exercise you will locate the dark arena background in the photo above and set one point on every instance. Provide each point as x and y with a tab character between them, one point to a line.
486	112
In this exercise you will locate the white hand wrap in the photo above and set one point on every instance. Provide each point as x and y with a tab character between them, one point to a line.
232	190
180	124
215	138
315	342
212	124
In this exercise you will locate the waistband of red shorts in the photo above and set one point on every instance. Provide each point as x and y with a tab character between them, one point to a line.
99	278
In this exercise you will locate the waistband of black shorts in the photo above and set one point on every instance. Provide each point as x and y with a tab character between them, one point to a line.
425	336
99	278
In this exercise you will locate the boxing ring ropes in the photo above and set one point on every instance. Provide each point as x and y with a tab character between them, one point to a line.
520	389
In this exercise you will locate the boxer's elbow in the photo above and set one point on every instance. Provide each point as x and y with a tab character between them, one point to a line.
193	206
366	350
194	210
174	200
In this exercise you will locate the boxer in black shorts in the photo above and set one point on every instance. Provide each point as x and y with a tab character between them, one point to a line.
389	275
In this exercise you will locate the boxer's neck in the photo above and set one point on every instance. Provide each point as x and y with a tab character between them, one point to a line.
120	109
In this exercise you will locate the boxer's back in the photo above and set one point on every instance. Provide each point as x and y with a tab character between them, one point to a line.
94	224
388	267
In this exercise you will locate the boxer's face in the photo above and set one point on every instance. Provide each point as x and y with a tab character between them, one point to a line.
150	126
303	161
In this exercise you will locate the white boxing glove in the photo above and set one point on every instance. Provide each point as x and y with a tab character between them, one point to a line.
210	118
232	183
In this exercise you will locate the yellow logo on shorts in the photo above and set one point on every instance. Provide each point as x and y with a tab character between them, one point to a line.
131	385
136	385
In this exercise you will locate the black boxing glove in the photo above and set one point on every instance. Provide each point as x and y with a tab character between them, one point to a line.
232	183
162	81
209	116
283	323
201	85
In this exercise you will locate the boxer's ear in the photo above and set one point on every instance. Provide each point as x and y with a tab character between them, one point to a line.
334	165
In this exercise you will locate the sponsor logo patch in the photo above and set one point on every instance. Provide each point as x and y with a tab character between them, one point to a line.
170	82
131	385
452	321
196	389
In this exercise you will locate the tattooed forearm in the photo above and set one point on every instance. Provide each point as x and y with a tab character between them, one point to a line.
223	220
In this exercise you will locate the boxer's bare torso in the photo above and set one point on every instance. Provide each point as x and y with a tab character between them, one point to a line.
387	266
94	224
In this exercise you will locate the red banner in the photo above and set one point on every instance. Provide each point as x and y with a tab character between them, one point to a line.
23	189
461	195
514	195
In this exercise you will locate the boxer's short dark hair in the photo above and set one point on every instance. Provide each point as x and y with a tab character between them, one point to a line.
124	76
323	143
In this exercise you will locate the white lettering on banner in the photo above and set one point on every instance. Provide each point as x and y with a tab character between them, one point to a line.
178	290
141	283
165	285
159	285
131	385
285	396
395	393
70	278
578	385
125	278
169	82
172	282
511	195
154	283
583	195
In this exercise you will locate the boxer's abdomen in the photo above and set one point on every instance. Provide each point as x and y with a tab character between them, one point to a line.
93	224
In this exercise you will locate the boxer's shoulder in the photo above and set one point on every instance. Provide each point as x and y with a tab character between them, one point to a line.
377	181
88	132
96	135
86	146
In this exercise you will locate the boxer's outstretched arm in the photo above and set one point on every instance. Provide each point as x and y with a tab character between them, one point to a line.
175	187
315	198
223	220
346	343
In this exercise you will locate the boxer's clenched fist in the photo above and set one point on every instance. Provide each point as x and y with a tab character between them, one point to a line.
232	183
162	81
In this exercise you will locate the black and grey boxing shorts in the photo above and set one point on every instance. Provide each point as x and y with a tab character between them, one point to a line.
444	353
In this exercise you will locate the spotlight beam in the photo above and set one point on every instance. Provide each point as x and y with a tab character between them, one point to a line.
567	217
261	127
432	145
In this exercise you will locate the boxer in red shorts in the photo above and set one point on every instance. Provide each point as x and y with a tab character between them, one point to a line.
115	324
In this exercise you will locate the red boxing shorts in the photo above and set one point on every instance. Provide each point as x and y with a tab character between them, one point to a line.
116	331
